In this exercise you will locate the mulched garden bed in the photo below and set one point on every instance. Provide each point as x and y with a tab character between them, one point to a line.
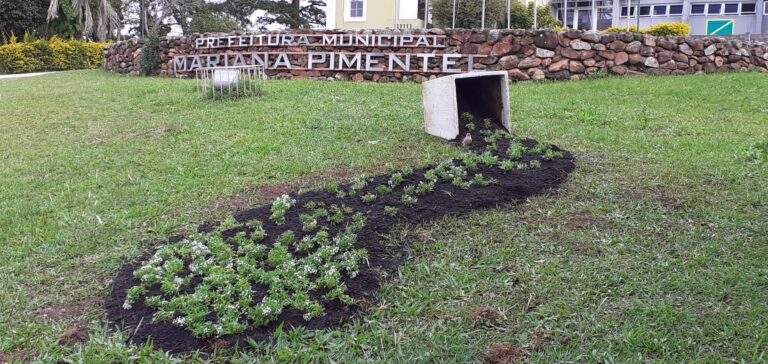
524	177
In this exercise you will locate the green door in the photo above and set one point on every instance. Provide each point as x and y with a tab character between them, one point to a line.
720	27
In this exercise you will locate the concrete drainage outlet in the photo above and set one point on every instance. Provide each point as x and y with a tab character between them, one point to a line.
483	94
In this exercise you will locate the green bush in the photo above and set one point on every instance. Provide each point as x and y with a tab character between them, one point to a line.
664	29
149	62
660	30
632	29
50	55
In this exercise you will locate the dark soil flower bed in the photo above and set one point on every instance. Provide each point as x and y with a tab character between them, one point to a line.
309	260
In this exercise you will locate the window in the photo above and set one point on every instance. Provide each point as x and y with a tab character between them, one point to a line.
697	9
747	8
356	9
714	8
645	10
659	10
631	11
731	8
675	10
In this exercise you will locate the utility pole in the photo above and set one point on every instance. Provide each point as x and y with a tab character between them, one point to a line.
142	19
629	13
565	13
535	14
426	14
509	16
638	15
453	24
482	25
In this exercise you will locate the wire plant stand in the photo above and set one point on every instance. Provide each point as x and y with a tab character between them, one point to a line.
232	82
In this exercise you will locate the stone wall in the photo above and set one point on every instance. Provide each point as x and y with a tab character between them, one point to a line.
525	54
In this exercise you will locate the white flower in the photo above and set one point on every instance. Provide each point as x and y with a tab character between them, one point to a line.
180	321
126	306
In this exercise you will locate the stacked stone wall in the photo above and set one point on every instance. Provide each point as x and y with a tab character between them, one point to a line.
524	54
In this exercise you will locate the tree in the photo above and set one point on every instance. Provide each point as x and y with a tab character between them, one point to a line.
207	22
468	13
105	23
522	16
292	14
19	17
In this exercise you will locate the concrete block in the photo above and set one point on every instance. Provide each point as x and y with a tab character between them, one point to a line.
484	94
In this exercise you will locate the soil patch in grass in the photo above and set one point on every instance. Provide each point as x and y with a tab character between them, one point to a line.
533	175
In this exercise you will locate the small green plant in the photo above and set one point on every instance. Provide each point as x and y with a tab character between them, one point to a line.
495	136
551	154
287	238
320	213
408	200
515	151
508	165
470	161
471	126
396	180
535	164
487	123
383	189
467	117
522	166
333	188
539	149
368	198
258	233
308	222
488	159
461	183
407	171
359	182
228	224
280	206
337	214
390	210
481	181
424	188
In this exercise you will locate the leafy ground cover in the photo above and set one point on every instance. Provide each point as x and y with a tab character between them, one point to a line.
306	261
654	250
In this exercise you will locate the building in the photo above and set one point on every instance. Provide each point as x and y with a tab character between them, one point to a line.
374	14
705	17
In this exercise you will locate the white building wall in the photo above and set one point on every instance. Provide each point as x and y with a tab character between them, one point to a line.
409	9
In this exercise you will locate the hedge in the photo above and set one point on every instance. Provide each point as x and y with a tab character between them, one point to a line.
660	30
50	55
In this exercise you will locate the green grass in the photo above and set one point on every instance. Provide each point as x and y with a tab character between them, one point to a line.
654	251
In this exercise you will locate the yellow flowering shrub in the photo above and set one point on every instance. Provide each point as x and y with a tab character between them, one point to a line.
55	54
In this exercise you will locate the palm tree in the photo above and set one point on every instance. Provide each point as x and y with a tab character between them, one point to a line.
107	19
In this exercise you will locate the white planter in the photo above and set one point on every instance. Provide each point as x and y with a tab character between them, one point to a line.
443	99
225	79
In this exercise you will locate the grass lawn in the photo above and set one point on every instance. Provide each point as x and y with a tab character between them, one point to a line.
655	250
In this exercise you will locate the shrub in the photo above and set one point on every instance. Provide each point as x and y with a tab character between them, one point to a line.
149	63
632	29
659	30
55	54
664	29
